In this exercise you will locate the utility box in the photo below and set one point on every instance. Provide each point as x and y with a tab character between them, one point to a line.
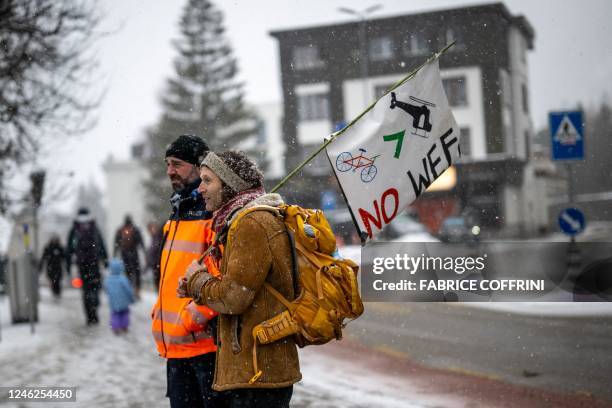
22	289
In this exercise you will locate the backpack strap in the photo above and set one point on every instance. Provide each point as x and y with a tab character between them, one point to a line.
242	213
313	260
280	297
308	255
294	262
266	285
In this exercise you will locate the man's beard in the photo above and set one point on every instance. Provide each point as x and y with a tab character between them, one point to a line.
178	183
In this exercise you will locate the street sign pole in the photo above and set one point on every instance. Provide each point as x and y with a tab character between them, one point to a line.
573	259
570	194
567	141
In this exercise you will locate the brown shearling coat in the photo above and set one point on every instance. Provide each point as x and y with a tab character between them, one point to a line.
259	251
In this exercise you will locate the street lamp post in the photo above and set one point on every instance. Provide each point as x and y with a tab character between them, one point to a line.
38	182
362	16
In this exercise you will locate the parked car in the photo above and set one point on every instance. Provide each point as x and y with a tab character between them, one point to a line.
458	230
405	228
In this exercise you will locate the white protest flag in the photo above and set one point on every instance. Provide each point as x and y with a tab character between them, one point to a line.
386	159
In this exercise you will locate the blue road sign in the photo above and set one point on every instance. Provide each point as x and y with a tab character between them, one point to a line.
567	133
328	200
571	221
339	125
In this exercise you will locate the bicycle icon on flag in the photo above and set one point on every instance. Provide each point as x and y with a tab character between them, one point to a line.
345	162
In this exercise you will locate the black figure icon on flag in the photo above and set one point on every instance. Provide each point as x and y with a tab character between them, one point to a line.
420	114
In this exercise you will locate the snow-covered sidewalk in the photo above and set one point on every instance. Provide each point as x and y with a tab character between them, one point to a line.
125	371
108	370
112	371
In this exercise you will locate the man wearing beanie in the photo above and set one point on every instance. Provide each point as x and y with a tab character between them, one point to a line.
183	331
257	252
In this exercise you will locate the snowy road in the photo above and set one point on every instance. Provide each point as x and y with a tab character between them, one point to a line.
111	371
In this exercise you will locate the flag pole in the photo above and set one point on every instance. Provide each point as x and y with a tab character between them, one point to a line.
334	135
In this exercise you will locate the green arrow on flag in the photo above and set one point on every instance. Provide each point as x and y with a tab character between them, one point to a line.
399	136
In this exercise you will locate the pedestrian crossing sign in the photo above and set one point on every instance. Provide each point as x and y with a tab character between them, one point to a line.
567	132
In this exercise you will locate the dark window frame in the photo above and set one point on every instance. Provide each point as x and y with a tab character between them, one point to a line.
313	107
381	54
455	88
306	56
466	140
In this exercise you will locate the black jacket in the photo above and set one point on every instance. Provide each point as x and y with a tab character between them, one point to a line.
86	243
54	256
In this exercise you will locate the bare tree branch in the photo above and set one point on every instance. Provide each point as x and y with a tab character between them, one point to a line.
45	67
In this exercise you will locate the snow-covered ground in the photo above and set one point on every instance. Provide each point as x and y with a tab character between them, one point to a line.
108	370
118	371
113	371
5	234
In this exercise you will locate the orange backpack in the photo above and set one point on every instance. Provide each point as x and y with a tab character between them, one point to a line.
328	293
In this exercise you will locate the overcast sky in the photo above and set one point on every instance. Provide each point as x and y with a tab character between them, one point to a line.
571	62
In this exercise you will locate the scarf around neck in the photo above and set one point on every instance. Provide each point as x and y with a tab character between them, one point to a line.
240	200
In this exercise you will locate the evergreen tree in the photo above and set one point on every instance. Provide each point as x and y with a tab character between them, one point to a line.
203	98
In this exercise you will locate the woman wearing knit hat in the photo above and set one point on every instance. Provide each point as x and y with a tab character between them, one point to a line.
259	251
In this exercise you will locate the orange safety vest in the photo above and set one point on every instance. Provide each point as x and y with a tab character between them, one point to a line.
179	325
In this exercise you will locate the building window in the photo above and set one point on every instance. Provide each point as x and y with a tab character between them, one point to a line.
313	107
525	99
416	44
523	50
466	142
527	145
455	91
306	57
261	131
381	49
507	129
451	35
505	89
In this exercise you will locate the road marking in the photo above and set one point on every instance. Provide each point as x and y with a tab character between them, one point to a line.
460	370
391	352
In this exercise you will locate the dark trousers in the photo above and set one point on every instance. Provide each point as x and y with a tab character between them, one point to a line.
91	301
55	277
190	382
259	397
132	270
90	274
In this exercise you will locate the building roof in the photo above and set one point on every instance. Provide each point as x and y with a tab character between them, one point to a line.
519	21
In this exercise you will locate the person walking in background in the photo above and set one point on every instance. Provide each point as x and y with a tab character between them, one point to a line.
183	331
127	241
86	244
54	256
120	295
154	250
